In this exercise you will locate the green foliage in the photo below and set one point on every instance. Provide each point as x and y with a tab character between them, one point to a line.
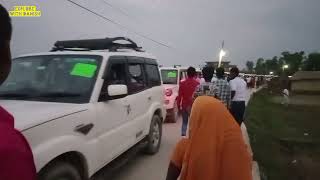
250	66
268	123
312	63
296	61
260	66
272	64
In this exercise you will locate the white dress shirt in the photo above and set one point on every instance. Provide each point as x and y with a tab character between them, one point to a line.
240	87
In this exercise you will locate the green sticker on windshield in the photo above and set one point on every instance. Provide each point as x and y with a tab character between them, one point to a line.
172	75
84	70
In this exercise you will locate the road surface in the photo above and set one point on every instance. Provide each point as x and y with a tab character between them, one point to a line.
154	167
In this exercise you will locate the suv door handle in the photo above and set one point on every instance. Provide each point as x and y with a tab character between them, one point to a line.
128	108
84	128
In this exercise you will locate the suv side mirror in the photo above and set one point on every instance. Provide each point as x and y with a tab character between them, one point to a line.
117	91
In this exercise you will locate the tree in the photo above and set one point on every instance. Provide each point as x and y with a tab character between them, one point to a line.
250	66
281	62
294	61
260	66
271	65
312	63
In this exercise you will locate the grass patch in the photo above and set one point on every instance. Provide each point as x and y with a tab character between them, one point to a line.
285	140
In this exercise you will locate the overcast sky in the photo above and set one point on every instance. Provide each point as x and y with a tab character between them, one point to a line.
193	28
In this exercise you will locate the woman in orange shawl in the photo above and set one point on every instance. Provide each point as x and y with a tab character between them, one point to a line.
214	150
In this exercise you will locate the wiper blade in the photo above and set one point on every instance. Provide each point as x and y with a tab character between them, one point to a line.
59	94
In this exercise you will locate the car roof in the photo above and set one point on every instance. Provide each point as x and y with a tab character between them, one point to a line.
99	53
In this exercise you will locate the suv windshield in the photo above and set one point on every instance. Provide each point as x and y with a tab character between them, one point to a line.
53	78
169	76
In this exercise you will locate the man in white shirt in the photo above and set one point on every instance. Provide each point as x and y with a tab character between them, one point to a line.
238	95
206	87
285	94
214	78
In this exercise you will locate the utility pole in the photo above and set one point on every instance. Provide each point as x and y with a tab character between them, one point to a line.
221	54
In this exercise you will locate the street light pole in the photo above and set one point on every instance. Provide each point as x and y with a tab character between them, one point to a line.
286	66
221	54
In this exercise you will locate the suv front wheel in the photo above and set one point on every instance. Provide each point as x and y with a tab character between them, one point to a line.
60	171
154	137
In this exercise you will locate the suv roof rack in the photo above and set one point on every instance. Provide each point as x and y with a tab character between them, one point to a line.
96	44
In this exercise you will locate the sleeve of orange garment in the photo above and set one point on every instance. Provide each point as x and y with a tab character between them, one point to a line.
236	162
178	153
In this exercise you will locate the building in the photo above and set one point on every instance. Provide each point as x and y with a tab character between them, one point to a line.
225	64
306	82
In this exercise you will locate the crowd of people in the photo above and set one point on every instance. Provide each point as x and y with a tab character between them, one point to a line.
254	81
231	91
212	147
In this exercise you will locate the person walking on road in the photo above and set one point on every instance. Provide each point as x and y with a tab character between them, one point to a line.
16	159
238	95
223	91
206	87
185	97
214	149
286	99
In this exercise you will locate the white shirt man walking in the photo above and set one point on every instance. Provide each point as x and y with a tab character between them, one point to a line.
238	95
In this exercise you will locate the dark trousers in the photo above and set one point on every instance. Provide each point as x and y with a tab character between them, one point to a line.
237	110
185	120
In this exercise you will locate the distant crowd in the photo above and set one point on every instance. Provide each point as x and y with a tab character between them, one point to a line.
212	146
253	81
230	90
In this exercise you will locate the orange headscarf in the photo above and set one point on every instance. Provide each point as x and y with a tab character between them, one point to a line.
215	149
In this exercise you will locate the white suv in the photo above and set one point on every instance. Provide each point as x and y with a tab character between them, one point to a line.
80	110
171	78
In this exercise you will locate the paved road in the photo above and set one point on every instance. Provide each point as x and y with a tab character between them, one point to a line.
152	167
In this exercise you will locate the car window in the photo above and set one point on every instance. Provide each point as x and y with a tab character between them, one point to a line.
153	76
55	78
136	82
169	76
115	75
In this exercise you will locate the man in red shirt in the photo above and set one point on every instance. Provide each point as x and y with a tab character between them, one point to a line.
185	97
16	159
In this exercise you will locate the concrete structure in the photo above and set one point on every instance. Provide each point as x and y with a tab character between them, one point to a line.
306	82
225	64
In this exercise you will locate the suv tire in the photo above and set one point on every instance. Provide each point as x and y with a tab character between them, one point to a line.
154	137
60	170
